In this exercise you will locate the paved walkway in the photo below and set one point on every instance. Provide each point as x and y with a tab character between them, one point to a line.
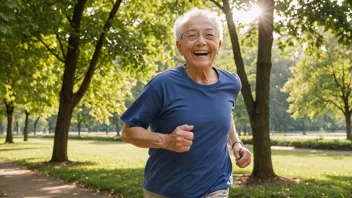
289	148
19	182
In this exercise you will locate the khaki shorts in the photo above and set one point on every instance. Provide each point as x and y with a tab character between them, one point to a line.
217	194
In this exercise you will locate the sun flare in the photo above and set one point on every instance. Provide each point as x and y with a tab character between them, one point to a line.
247	16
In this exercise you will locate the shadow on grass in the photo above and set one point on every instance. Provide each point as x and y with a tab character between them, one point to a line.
334	186
119	182
345	182
37	165
18	149
100	142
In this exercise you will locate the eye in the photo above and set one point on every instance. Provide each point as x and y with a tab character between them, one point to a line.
210	35
192	35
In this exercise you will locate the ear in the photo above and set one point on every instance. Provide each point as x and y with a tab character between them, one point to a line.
220	43
219	46
179	47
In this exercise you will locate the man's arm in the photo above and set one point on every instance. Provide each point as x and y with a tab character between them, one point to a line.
242	154
180	140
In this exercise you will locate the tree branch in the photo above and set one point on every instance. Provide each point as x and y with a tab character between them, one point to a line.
61	46
246	88
218	4
50	50
95	69
350	78
68	18
328	66
72	54
100	64
335	104
87	79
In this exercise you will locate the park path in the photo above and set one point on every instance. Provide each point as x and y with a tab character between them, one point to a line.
290	148
17	182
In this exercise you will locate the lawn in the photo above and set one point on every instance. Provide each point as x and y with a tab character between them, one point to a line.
117	167
2	193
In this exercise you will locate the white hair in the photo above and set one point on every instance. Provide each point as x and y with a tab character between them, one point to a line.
195	12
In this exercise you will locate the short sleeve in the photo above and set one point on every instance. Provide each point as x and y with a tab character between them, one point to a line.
239	82
144	109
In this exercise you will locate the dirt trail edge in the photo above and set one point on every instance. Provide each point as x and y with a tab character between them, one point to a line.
17	181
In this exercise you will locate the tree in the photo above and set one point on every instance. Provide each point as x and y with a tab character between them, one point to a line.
115	120
29	80
87	37
80	116
322	83
294	24
41	98
258	108
9	113
25	130
12	78
51	121
68	97
21	62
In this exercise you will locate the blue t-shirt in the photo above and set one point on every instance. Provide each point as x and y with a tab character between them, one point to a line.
173	99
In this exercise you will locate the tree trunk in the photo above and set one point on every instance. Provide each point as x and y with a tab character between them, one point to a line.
35	126
107	130
25	131
304	128
17	127
79	127
258	110
261	134
9	113
61	132
117	129
348	125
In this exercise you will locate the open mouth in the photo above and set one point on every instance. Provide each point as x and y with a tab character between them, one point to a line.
201	53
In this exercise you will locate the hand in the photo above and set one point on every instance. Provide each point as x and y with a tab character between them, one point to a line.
242	155
180	140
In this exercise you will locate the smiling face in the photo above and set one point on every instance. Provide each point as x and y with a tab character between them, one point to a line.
199	43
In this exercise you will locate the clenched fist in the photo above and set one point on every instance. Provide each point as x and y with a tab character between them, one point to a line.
180	140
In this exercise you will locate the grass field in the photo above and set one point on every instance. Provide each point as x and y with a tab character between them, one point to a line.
117	167
2	194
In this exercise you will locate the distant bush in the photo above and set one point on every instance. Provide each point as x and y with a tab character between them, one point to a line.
85	137
308	143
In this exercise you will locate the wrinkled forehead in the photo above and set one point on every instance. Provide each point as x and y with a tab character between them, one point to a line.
199	23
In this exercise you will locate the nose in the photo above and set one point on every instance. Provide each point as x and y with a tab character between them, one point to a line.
201	40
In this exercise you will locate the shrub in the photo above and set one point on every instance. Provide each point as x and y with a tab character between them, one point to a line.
85	137
307	143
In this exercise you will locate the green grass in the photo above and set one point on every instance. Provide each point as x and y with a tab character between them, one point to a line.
2	193
118	168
